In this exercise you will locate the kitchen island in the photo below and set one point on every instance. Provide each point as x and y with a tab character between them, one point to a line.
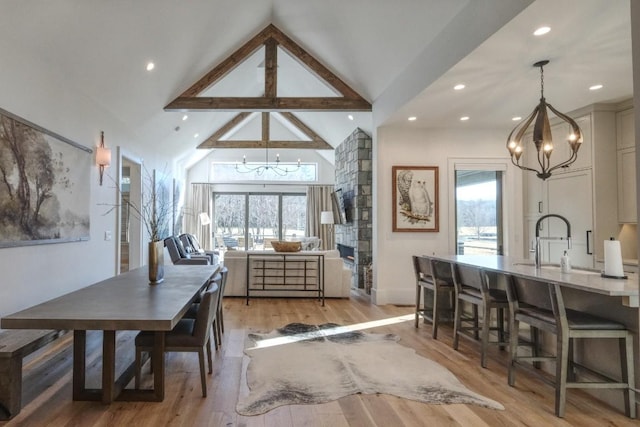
583	290
580	279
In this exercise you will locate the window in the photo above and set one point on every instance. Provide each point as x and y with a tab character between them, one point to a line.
229	213
250	221
264	220
227	172
478	201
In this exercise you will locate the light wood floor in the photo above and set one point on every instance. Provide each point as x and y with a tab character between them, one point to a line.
48	401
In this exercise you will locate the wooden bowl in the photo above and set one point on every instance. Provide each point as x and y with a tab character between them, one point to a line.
280	246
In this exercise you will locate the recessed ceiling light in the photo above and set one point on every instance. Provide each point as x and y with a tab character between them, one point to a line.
185	117
541	31
459	86
464	118
412	118
150	66
595	87
350	117
516	118
196	135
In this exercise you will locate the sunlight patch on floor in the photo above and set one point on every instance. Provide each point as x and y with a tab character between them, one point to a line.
270	342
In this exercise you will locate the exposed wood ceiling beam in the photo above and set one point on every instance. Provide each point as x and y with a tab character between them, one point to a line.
271	69
301	145
313	65
267	104
227	127
315	142
271	37
226	66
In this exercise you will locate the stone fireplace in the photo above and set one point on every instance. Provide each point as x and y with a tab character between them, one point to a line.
354	178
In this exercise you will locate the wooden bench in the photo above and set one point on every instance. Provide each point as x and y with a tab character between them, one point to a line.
15	344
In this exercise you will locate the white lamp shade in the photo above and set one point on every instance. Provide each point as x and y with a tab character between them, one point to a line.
103	156
326	217
204	218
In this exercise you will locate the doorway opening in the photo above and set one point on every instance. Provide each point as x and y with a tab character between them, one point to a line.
129	227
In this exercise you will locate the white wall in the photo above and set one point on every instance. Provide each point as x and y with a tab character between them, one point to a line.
394	278
44	95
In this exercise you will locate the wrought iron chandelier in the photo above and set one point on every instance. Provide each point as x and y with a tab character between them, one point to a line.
542	136
261	169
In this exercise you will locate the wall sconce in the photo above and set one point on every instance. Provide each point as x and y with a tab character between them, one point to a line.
103	156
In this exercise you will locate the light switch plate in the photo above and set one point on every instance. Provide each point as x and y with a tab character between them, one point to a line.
107	235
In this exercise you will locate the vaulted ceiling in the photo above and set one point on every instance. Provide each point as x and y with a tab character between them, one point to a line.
102	47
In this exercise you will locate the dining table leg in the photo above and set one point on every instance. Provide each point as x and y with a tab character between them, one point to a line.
79	362
108	366
157	359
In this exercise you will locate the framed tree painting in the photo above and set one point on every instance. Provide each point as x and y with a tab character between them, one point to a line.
45	186
415	198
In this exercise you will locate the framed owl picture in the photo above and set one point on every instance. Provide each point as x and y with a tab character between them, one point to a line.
415	198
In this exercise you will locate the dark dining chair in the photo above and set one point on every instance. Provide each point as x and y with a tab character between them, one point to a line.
180	257
541	305
218	324
219	320
192	247
189	335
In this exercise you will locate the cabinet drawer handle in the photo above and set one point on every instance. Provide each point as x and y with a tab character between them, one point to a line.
588	248
539	207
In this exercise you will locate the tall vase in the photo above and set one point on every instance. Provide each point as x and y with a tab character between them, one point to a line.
156	262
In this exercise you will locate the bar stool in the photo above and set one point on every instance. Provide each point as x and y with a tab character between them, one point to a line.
472	286
541	305
430	274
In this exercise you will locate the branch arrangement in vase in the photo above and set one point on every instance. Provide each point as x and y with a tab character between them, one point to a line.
156	209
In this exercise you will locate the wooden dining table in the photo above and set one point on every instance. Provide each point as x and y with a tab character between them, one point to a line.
126	302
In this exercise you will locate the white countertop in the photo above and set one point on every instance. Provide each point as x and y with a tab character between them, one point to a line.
582	279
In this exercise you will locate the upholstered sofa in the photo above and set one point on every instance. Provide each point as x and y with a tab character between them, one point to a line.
337	283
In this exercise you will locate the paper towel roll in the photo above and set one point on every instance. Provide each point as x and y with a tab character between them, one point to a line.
613	258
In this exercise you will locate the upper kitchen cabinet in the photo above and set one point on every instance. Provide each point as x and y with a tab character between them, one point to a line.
626	143
581	192
561	149
533	191
625	123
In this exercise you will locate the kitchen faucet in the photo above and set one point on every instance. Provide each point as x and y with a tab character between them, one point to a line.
538	238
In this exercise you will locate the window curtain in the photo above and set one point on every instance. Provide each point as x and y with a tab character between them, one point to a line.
318	200
200	201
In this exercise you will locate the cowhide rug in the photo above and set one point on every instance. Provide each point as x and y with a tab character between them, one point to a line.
305	364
